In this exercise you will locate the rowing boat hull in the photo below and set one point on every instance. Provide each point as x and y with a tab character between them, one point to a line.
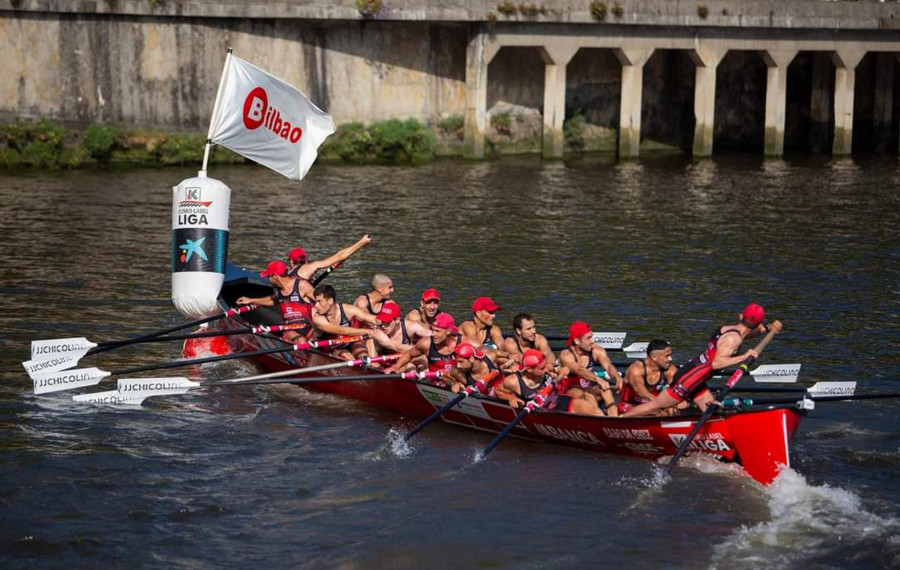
758	439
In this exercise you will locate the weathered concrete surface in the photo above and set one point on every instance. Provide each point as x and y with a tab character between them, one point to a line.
793	14
166	72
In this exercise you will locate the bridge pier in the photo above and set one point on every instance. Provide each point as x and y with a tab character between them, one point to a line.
776	96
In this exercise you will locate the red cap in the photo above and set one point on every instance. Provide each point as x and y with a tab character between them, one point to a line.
444	321
466	350
485	304
754	314
533	358
389	311
430	295
275	268
297	255
578	329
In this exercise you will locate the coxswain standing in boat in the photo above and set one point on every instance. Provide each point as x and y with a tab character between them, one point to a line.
303	269
482	332
333	319
470	368
394	334
429	307
526	337
294	308
373	301
646	378
438	349
523	385
583	359
721	352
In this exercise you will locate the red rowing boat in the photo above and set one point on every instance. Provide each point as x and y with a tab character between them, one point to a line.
757	439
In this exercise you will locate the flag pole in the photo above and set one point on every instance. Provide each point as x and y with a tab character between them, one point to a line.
212	119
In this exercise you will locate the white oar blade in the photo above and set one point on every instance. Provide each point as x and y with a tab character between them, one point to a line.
110	397
609	340
46	349
53	364
636	350
141	388
46	382
786	373
833	389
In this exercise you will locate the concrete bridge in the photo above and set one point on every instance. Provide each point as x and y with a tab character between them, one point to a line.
690	74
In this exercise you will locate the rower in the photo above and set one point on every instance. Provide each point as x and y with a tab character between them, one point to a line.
294	309
585	360
438	348
646	378
373	301
522	385
333	319
481	330
721	352
471	367
526	337
304	269
428	309
395	334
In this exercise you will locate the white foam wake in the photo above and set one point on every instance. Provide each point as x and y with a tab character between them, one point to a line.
811	525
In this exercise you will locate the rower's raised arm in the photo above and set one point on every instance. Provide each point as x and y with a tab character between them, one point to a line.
341	256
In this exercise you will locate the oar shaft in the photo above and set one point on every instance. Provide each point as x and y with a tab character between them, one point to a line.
879	396
179	363
437	413
509	427
143	338
192	361
188	336
356	378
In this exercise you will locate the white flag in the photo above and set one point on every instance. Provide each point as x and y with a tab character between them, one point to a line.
267	120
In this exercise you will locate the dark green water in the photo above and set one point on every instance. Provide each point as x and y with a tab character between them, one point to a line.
281	477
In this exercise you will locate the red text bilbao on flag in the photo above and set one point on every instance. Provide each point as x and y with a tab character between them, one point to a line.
267	120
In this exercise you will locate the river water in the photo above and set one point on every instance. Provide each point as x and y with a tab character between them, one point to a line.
282	477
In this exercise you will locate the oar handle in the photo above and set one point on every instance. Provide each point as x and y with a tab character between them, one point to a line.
328	271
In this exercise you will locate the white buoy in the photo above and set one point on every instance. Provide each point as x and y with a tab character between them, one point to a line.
200	210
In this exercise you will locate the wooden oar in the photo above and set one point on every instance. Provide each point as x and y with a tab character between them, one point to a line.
742	369
133	391
479	387
539	400
67	349
46	382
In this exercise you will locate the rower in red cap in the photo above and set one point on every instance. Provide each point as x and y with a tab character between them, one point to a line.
470	368
523	385
303	269
481	330
438	348
294	308
394	333
429	307
586	361
721	352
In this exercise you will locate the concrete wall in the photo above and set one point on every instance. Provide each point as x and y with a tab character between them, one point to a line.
164	72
